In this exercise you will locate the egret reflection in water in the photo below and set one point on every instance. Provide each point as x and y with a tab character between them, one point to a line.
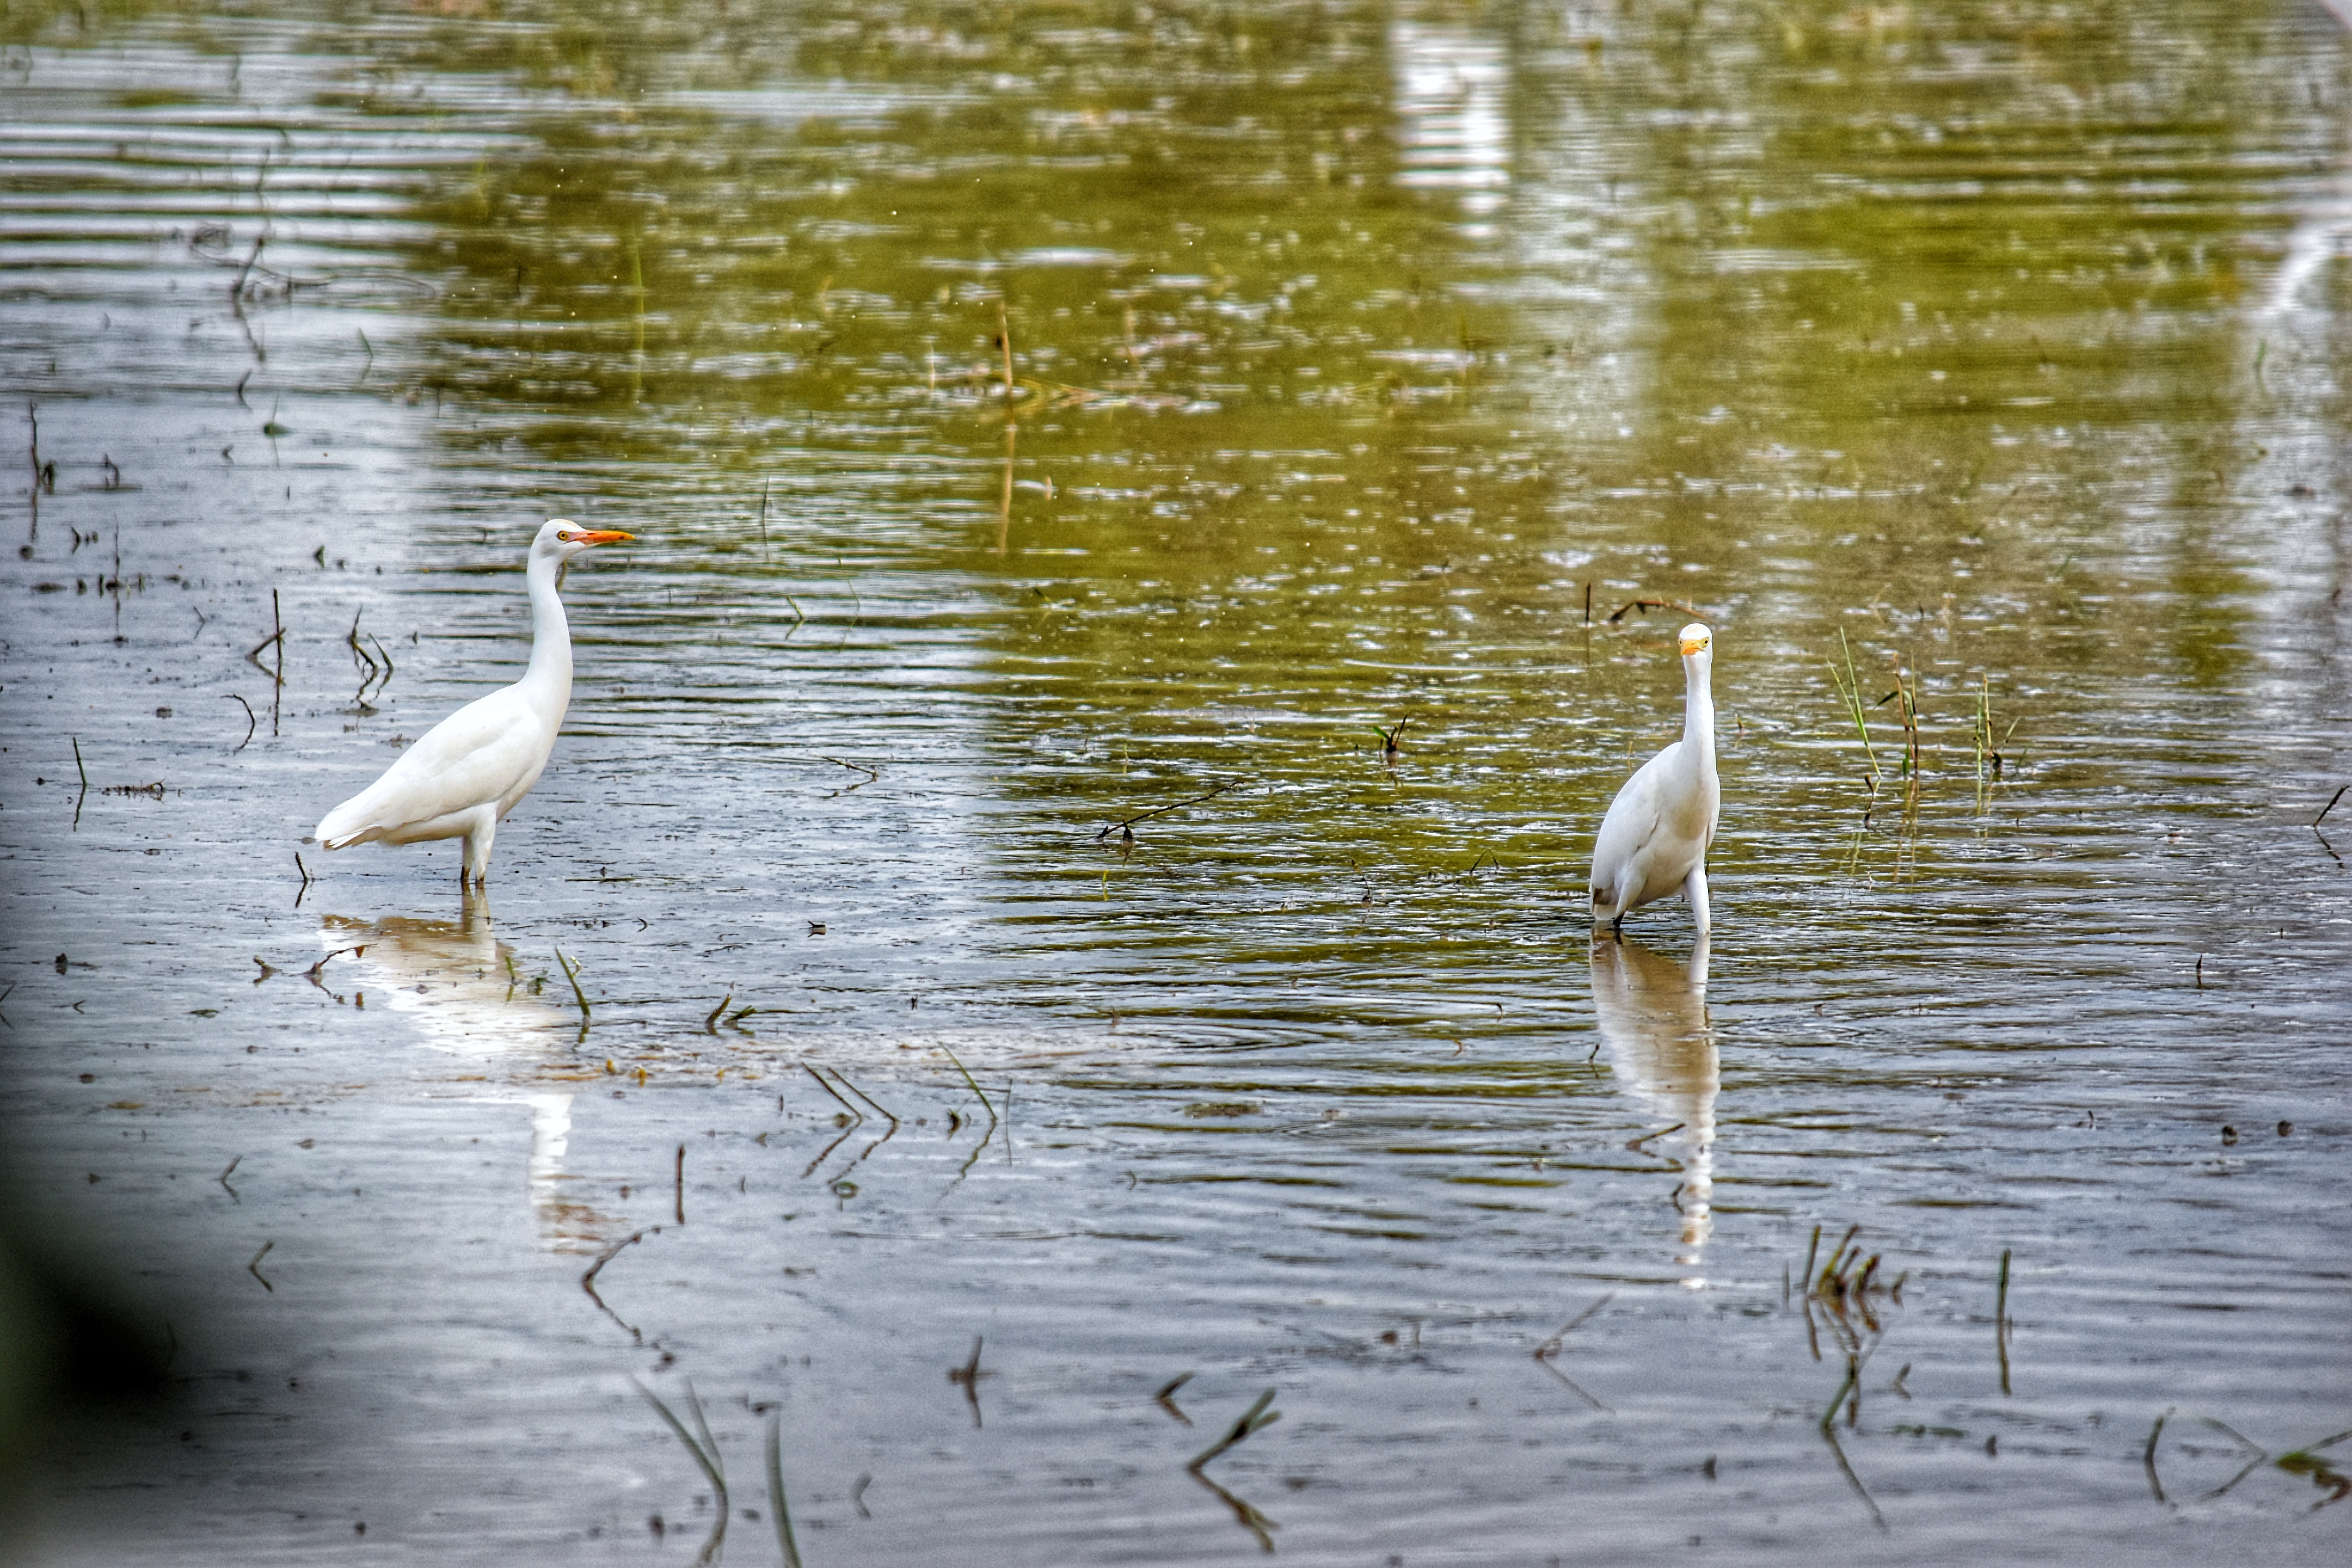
462	988
1653	1016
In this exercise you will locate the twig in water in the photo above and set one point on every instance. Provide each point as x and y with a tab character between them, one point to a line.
710	1024
973	1084
969	1375
1837	1400
251	721
1850	691
2245	1443
571	973
277	635
588	1280
867	1097
1636	1143
1256	1419
312	973
681	1184
1646	606
1837	1453
706	1457
254	1268
1244	1511
386	679
871	774
1550	1348
1005	342
2147	1458
1127	824
783	1510
2329	806
853	1110
2000	1320
1166	1397
223	1179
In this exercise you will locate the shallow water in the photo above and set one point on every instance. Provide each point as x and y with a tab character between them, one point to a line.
1366	360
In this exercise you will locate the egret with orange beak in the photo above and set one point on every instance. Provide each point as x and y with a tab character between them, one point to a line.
1653	841
472	768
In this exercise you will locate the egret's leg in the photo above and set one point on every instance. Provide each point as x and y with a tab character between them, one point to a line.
478	847
1695	889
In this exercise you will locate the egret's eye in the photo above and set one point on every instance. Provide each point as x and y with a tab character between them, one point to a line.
566	536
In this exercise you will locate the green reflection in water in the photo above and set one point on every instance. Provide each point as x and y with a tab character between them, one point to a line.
1356	348
1353	349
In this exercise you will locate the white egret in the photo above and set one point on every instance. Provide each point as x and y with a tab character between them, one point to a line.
472	768
1653	843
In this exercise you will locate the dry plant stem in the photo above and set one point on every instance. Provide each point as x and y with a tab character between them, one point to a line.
1245	1513
2147	1458
571	973
705	1449
969	1375
588	1280
2000	1320
973	1084
854	1111
1255	1419
1544	1352
1004	494
1850	691
783	1510
866	1096
1005	342
1646	606
1838	1453
1127	824
251	722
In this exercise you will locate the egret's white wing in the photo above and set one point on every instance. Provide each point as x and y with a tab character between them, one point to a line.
469	759
1632	820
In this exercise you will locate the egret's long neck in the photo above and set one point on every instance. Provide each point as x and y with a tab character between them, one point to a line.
549	674
1698	709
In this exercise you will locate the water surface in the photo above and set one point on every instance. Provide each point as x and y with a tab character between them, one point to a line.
1367	362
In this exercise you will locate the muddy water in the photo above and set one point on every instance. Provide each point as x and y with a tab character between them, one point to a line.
1366	361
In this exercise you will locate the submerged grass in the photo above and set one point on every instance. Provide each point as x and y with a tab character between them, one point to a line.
704	1447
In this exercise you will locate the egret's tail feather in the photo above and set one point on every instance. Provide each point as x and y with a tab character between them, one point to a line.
347	824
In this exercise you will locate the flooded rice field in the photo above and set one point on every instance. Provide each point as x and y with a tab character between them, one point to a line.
1055	932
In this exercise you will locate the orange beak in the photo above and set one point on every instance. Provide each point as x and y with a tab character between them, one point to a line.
1692	645
601	536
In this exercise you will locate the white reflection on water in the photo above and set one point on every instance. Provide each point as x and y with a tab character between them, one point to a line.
468	996
1453	130
1653	1016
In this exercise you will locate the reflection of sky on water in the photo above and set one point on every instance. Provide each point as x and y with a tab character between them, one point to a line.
1653	1016
1454	128
466	997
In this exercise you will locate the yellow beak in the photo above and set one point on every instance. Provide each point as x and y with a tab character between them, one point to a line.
1694	644
601	536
